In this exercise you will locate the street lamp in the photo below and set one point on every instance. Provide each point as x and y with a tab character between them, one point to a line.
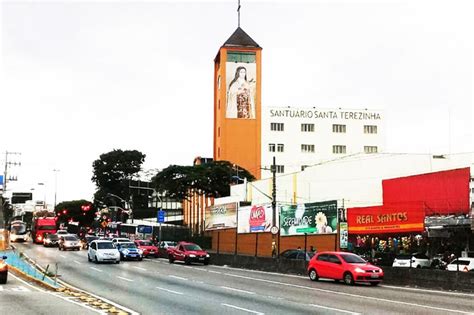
55	185
44	191
126	204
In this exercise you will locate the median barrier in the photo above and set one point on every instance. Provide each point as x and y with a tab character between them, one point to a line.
412	277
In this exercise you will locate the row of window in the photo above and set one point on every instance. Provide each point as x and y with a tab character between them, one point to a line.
309	148
310	128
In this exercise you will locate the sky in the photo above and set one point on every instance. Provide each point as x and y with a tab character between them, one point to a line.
81	78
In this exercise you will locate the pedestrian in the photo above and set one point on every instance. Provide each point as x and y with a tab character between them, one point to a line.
312	249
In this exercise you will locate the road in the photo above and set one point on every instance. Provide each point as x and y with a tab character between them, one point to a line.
20	297
155	286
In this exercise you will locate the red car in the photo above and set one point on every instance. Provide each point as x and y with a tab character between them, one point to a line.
188	252
343	266
147	247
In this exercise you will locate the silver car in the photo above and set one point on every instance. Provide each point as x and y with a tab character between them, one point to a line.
69	242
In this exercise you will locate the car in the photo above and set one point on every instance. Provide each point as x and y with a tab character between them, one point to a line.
129	250
164	246
297	254
116	240
87	240
69	242
188	253
344	266
103	251
51	240
3	270
465	264
147	248
416	260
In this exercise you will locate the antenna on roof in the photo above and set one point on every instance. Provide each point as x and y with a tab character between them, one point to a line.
238	13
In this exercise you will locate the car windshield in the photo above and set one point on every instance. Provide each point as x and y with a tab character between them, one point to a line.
352	259
70	238
18	229
52	237
403	257
192	247
91	238
145	243
460	262
128	245
47	227
105	245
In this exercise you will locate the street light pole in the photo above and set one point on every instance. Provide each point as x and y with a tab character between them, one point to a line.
55	185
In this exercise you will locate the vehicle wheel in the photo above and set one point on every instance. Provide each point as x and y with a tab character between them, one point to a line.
140	259
3	280
117	262
206	262
374	284
96	260
313	275
348	278
59	247
171	260
88	258
418	266
187	261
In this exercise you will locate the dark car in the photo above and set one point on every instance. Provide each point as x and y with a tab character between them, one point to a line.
188	253
164	247
51	240
86	240
129	250
3	270
297	254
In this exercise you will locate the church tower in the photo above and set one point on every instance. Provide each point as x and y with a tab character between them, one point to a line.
237	102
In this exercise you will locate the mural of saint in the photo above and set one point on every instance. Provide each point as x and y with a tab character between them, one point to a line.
240	99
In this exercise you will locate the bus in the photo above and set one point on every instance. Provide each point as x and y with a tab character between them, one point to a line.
18	231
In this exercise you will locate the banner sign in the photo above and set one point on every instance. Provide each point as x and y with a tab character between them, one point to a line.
221	216
386	219
310	218
256	218
343	235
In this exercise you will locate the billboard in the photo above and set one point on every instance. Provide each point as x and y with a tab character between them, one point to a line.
386	219
256	218
241	88
221	216
343	235
309	218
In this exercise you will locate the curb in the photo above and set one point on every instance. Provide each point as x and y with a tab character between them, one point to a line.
24	275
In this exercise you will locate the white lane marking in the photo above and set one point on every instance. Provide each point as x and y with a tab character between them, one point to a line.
77	262
426	290
170	291
237	290
129	280
139	268
362	297
242	309
59	296
212	271
333	309
93	268
62	256
200	269
179	278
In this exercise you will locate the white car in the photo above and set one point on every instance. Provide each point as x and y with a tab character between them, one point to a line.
412	260
116	240
465	264
103	250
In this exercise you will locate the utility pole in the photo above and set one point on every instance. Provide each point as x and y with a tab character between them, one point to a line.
5	181
55	186
273	169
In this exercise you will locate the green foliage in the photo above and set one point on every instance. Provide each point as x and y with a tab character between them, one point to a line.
212	179
74	211
112	171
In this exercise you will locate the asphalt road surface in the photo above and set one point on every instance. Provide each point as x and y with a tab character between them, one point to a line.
20	297
153	286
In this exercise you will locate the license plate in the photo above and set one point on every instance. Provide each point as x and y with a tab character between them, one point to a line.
402	263
201	258
374	276
152	252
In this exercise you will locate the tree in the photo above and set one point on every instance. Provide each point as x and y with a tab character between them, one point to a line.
81	211
113	170
212	179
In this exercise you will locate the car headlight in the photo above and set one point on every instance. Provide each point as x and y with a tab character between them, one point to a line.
125	251
359	270
140	251
192	255
207	255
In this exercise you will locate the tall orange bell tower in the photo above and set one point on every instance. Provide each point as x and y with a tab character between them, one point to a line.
237	102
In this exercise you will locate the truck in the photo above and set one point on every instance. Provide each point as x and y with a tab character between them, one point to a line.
42	226
18	231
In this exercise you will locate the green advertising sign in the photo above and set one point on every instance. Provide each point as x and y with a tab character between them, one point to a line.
310	218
